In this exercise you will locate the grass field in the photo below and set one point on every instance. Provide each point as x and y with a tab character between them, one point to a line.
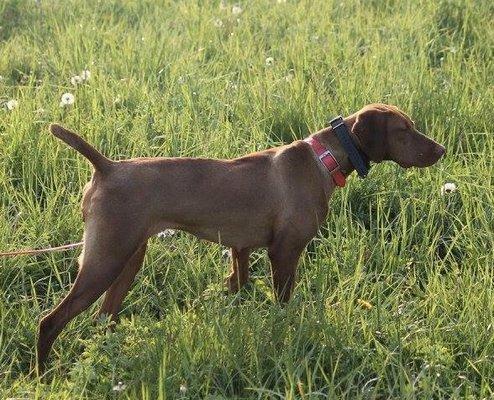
395	296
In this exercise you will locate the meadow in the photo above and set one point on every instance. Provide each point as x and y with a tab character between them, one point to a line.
395	295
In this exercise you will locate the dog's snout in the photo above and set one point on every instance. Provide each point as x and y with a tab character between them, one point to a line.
440	150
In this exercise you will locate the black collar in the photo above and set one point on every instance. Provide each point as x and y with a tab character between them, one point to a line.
359	159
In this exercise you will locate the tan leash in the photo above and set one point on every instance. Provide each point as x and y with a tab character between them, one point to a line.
27	252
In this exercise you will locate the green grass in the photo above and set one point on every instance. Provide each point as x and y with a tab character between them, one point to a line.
167	81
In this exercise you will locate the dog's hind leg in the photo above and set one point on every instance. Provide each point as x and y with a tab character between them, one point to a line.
119	289
107	249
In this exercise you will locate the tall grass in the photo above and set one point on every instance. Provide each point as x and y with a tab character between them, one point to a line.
191	79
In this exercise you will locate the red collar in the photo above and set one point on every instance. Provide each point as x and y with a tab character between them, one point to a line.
328	159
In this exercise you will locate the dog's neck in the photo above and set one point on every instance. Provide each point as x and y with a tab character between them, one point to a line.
327	137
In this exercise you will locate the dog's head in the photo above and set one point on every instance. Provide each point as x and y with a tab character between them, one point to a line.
386	133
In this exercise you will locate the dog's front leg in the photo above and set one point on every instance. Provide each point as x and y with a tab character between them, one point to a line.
284	255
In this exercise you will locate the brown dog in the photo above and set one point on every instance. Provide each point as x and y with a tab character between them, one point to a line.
275	198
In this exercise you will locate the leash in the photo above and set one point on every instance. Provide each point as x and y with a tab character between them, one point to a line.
27	252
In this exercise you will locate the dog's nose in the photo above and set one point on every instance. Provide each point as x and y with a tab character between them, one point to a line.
440	150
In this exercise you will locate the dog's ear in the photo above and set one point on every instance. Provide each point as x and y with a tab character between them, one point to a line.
370	129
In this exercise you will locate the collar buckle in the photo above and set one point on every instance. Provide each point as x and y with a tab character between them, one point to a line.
328	160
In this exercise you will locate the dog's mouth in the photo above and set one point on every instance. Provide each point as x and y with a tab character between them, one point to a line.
426	158
437	154
405	165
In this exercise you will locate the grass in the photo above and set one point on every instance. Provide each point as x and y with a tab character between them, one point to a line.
166	79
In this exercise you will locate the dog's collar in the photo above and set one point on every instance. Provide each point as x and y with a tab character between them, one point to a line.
359	160
328	160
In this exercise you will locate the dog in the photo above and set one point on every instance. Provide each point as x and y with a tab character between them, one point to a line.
276	198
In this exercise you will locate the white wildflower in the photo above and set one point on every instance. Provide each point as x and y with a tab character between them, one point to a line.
448	188
181	80
119	387
236	10
12	104
218	23
167	233
269	61
67	99
183	388
85	75
76	80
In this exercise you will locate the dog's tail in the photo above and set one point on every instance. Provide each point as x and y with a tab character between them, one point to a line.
100	162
